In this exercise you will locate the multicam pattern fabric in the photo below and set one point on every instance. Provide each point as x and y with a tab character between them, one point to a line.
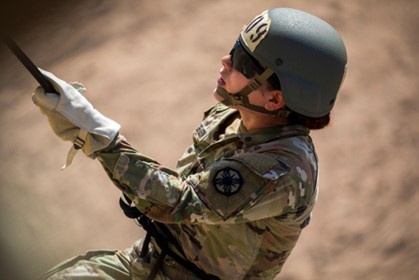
238	200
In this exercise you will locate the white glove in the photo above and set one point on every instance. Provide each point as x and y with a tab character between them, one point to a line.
73	118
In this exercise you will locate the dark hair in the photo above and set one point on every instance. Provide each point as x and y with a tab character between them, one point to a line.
297	118
309	122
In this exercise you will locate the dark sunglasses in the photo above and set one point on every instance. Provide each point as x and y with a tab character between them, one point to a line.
243	62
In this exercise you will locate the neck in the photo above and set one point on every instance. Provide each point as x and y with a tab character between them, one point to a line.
252	120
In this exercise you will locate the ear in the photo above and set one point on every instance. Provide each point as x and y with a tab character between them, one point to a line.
274	100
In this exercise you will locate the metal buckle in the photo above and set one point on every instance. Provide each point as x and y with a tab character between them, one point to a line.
78	143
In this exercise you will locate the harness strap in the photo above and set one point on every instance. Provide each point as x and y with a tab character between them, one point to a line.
161	240
157	265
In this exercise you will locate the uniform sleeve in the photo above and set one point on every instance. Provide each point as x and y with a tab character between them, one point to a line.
238	189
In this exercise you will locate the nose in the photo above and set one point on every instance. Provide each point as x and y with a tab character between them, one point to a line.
226	61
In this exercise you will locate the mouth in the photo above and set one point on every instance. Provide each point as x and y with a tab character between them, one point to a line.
221	81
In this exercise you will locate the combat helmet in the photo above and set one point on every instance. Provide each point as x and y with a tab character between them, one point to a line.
306	53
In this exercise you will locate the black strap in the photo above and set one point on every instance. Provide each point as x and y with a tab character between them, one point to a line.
129	211
157	265
162	241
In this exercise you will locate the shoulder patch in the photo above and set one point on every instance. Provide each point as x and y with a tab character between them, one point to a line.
233	183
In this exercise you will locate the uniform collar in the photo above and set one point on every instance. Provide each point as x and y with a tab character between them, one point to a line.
263	135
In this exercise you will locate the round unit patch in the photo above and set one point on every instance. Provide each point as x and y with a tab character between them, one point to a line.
227	181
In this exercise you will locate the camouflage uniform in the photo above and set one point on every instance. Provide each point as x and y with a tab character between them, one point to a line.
236	205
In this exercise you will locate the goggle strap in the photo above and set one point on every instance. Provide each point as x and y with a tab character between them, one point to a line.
257	82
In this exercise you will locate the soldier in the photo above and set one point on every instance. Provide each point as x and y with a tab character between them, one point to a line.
244	190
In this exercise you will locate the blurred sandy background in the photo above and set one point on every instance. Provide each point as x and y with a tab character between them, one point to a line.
152	66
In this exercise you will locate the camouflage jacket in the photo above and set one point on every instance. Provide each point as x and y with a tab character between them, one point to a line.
238	200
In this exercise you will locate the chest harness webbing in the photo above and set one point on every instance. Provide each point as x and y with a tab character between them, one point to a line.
162	239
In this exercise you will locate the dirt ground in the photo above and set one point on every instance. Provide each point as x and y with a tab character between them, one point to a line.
152	66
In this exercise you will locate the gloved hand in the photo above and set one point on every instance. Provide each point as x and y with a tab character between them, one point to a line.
73	118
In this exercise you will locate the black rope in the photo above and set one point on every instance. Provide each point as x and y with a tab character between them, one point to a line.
29	65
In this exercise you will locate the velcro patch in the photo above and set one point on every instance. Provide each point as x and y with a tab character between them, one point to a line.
233	183
256	30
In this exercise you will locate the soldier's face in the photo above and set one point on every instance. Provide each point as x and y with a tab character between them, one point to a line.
230	79
233	81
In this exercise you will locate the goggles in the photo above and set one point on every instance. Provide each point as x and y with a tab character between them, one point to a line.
243	62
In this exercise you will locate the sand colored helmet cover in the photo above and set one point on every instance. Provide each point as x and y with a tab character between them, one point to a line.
306	53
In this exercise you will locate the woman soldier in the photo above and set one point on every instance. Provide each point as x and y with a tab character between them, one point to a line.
244	190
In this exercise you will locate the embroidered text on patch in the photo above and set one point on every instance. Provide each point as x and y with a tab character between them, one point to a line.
201	131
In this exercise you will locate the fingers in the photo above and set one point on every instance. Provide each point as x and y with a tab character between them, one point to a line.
44	99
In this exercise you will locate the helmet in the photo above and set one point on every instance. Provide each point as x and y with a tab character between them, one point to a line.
305	52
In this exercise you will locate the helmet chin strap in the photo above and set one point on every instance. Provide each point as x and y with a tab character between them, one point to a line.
241	98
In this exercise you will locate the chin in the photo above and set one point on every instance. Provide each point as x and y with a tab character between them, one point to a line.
217	96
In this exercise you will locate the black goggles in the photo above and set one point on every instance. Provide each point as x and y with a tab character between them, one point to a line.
243	62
